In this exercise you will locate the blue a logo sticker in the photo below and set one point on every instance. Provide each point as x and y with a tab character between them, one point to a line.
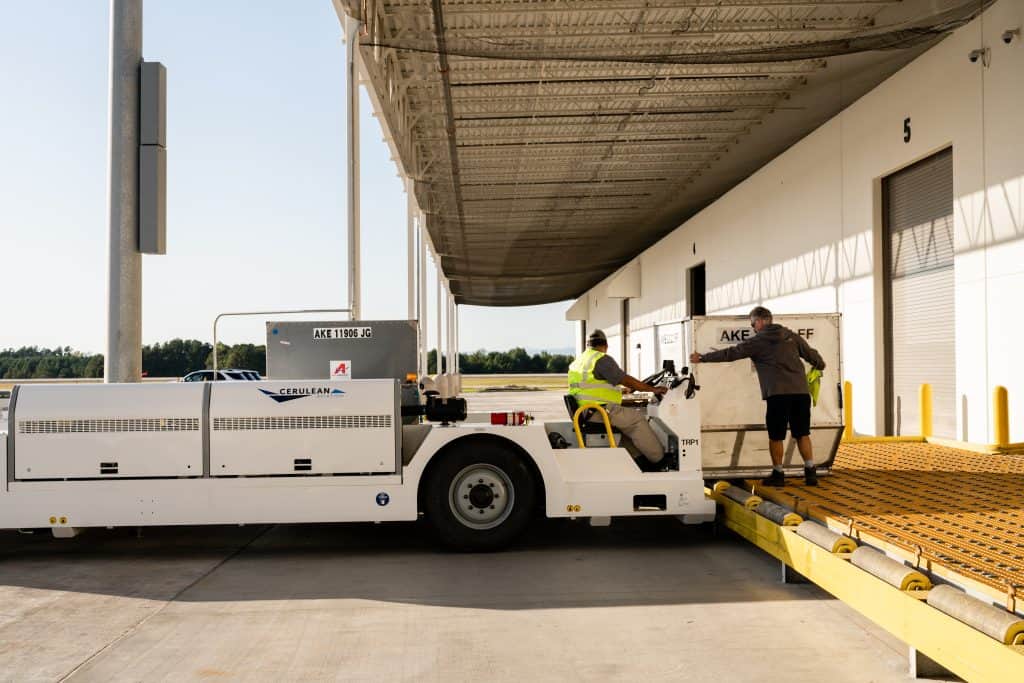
383	499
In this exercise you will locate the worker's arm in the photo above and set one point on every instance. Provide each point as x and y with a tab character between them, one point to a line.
636	385
608	370
727	355
809	354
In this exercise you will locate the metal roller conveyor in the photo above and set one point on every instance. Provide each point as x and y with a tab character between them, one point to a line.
1006	627
889	570
744	498
778	514
826	538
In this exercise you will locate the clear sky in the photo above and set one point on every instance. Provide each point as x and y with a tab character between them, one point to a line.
256	178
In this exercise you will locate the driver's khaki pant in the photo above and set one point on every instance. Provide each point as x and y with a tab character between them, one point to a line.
640	438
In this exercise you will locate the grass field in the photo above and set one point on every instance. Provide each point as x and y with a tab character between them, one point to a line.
472	383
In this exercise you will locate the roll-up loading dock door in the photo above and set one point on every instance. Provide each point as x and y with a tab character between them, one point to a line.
919	296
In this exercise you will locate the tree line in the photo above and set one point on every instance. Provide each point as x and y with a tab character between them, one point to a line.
179	357
515	360
175	358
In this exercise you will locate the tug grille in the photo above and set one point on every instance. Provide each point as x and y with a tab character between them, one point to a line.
226	424
109	425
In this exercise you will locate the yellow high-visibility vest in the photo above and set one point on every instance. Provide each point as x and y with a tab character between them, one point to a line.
587	389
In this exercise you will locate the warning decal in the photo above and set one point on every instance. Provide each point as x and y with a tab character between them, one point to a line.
341	369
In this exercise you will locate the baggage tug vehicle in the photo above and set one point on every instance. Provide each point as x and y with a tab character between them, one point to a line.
318	451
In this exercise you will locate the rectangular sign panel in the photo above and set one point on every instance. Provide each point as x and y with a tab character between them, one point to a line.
374	349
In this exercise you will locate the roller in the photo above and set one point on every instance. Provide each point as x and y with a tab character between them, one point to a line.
720	486
889	570
778	514
744	498
826	538
1006	627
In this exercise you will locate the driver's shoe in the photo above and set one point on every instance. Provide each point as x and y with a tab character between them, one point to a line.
646	465
776	478
670	463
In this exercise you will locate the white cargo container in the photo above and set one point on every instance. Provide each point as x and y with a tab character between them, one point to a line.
733	433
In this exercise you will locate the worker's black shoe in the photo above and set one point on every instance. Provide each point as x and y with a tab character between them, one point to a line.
810	476
776	478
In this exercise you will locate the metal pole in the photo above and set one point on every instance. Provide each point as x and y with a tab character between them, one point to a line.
123	360
410	243
423	293
447	329
451	329
352	28
455	317
440	308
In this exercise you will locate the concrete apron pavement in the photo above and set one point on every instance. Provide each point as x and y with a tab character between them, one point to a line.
641	600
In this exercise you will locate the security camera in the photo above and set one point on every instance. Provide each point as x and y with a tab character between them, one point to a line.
980	53
1009	35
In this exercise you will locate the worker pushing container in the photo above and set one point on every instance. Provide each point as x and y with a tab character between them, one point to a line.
734	442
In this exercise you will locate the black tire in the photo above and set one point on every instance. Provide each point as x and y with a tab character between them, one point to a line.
479	497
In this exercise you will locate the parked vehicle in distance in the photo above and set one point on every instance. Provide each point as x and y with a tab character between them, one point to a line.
225	375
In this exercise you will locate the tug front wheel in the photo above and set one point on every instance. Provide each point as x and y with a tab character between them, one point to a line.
479	497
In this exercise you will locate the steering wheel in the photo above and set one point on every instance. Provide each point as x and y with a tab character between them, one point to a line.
687	378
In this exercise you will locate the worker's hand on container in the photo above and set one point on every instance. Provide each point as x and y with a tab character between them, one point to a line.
694	357
659	391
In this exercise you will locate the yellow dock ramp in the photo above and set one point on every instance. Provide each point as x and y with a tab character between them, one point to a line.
954	512
956	515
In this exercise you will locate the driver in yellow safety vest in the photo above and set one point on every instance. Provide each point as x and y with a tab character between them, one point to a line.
593	380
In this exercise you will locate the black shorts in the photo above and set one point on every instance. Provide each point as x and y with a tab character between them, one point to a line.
793	410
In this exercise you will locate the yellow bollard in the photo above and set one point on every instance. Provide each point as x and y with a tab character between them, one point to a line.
1001	416
925	398
847	410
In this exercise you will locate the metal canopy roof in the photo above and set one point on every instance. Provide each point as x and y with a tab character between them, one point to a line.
550	141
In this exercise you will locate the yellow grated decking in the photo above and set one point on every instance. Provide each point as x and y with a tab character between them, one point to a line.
958	510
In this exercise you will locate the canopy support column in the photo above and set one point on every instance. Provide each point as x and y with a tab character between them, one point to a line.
123	359
352	29
422	295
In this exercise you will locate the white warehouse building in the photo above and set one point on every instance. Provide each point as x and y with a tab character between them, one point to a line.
904	213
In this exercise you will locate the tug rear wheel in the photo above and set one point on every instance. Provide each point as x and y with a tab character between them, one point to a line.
479	497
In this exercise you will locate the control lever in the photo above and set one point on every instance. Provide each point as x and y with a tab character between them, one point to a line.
691	387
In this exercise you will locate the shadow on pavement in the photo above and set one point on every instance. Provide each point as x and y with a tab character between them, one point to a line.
560	563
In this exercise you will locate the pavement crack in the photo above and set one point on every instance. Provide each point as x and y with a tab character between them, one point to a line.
136	626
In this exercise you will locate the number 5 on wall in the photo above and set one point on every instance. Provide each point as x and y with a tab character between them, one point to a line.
906	129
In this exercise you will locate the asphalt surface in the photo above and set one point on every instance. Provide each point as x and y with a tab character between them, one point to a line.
643	599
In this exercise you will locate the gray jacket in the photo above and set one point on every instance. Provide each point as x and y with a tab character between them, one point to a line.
776	352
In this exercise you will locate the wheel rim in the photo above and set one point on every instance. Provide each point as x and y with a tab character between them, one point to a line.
481	496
